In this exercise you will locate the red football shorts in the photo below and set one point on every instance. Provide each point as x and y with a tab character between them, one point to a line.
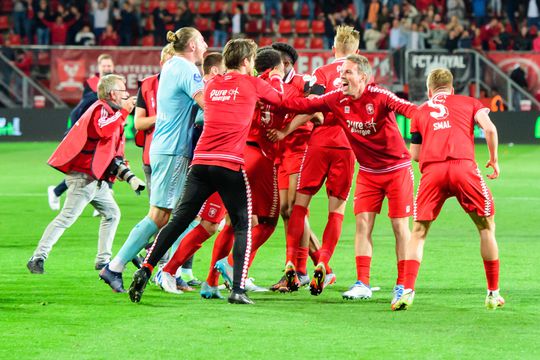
293	149
262	176
336	165
372	188
213	209
459	178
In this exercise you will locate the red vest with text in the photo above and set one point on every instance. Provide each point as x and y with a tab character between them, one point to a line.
74	142
143	138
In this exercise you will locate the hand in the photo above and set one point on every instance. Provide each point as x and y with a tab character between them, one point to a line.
495	165
275	135
129	103
137	185
317	119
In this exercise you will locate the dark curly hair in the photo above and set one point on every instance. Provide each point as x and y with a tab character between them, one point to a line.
267	59
287	49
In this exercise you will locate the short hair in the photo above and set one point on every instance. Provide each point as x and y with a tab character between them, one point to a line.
106	84
267	59
167	52
347	39
181	38
103	57
362	62
236	50
439	78
287	50
211	60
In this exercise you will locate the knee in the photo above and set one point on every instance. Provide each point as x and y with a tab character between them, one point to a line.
211	228
112	215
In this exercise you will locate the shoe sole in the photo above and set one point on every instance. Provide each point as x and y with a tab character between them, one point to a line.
291	284
106	281
137	287
317	283
34	272
350	297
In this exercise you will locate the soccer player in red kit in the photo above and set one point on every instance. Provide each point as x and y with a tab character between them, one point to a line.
328	157
260	155
366	113
443	143
229	102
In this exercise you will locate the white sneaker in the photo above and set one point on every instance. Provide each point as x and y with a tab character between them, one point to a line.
494	300
250	286
405	301
357	291
167	282
54	201
330	279
397	292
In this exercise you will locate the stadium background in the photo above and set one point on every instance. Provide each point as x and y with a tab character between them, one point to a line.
69	314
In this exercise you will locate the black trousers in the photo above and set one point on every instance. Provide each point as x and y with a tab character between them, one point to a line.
233	187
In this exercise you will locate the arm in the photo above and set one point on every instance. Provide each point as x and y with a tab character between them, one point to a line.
401	106
277	135
270	93
492	140
199	99
106	125
143	122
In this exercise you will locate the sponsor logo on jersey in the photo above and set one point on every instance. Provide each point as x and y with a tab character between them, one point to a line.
362	127
223	95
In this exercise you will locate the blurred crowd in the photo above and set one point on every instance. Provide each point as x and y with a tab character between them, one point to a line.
384	24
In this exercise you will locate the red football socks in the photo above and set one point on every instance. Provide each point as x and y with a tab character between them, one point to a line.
301	262
400	272
188	246
331	236
222	247
295	230
492	274
411	272
315	255
363	265
260	234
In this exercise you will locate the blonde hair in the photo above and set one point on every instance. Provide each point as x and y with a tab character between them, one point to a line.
363	64
235	51
103	57
107	84
347	39
439	79
167	52
181	38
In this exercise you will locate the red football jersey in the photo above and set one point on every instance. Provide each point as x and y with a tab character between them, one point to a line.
229	102
325	79
369	124
446	124
267	117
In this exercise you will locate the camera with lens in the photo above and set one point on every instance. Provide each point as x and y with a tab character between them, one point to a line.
121	170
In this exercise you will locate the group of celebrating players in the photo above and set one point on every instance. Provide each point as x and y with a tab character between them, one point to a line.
220	142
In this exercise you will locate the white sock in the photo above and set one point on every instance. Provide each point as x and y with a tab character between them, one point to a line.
117	265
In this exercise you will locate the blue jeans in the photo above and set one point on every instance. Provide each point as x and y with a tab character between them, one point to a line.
270	5
220	38
311	7
360	7
43	36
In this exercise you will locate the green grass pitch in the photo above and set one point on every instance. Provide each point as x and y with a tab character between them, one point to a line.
68	314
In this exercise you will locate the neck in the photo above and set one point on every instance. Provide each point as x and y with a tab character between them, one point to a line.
188	56
441	91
